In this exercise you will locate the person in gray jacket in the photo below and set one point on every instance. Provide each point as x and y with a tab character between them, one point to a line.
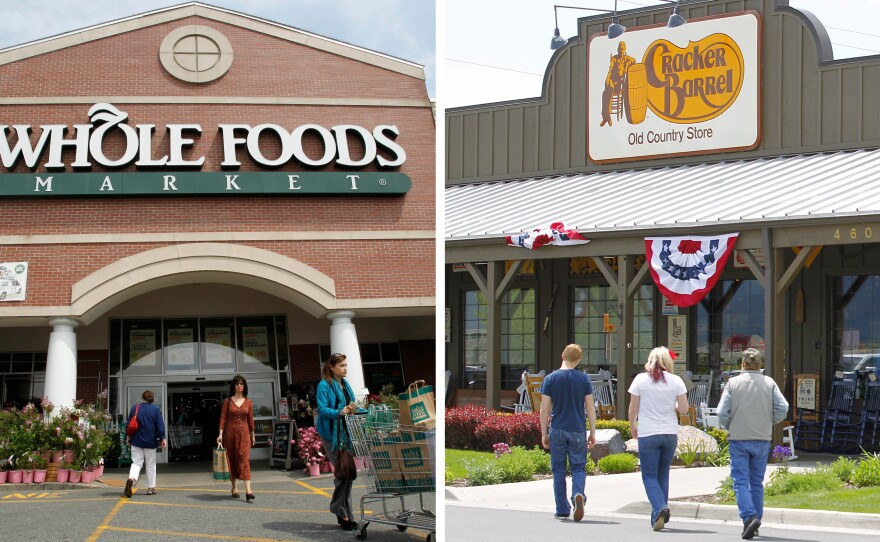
750	405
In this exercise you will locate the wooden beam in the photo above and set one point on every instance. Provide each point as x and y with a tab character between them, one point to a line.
755	267
638	279
793	270
480	279
508	278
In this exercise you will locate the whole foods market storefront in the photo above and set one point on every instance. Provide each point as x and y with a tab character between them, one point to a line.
175	222
789	178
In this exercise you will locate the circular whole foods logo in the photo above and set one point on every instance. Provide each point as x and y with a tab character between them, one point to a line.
19	269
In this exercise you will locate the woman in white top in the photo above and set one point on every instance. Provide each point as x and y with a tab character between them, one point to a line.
656	395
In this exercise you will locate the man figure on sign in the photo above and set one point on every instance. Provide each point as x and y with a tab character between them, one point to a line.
617	69
569	394
750	405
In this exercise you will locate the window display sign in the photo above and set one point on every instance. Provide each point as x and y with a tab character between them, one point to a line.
678	342
218	346
142	346
806	393
659	91
255	342
180	347
13	281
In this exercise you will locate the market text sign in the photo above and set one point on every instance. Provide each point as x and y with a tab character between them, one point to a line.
87	144
665	91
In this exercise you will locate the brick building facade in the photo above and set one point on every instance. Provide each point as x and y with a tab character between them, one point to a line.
177	292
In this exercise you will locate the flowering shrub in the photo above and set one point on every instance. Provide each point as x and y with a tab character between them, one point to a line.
461	422
781	453
310	449
501	449
515	429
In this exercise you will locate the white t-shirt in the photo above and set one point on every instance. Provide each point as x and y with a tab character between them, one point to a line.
657	414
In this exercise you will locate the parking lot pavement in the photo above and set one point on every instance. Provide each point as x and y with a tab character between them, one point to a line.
288	506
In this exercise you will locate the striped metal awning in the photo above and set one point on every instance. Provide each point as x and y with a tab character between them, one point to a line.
783	189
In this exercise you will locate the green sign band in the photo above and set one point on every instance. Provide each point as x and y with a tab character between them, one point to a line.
204	183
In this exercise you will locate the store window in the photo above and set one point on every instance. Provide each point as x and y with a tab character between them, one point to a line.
729	320
22	378
382	365
155	346
518	332
856	323
589	307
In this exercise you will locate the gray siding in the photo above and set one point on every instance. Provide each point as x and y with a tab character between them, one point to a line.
810	103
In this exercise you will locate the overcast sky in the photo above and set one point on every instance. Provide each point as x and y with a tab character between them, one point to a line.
401	28
498	50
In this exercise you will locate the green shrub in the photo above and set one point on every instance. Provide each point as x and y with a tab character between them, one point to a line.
449	478
725	490
482	474
721	458
867	473
688	451
515	467
720	435
539	458
783	481
618	463
843	468
621	425
591	465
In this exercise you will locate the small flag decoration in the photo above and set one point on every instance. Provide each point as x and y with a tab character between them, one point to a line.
686	268
556	234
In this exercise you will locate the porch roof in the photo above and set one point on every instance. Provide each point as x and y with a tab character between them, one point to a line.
722	195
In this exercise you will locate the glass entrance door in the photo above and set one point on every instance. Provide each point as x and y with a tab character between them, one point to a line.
133	396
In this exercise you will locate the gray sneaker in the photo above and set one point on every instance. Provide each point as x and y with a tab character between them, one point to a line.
560	517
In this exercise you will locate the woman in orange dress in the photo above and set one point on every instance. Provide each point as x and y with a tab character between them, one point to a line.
237	426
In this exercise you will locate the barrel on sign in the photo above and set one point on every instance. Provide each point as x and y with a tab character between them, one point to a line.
636	94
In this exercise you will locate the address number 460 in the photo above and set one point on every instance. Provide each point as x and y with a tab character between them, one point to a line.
853	233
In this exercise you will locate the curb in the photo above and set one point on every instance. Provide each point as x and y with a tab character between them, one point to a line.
779	516
48	486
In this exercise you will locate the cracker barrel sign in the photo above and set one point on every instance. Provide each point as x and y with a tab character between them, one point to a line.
660	91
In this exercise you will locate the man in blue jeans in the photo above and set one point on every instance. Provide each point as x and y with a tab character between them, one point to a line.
750	405
568	396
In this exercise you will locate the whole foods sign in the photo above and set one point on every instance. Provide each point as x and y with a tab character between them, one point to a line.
270	146
660	91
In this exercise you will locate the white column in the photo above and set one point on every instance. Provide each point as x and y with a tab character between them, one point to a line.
344	340
61	363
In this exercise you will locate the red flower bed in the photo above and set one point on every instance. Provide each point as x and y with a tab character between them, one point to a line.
473	427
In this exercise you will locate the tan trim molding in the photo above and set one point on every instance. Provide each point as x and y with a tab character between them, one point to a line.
215	100
201	237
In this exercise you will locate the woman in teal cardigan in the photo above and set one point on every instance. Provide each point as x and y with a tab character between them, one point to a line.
335	400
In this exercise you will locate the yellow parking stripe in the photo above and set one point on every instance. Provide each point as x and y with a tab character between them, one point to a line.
96	534
195	535
248	508
314	489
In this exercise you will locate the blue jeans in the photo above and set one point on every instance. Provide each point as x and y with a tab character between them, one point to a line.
655	457
569	445
748	462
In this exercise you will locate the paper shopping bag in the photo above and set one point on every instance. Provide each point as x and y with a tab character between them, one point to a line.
416	465
221	467
417	405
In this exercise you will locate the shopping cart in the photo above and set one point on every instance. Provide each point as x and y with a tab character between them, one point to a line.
185	442
398	461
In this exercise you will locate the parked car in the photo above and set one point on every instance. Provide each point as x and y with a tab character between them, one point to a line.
859	362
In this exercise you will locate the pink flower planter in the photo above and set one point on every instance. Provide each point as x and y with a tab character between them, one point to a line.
39	476
75	476
88	476
63	455
314	470
3	474
28	477
14	476
63	475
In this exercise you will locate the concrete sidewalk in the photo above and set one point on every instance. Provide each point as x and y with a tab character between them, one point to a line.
625	494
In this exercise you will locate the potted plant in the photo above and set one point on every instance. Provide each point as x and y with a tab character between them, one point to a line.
26	464
39	464
310	450
4	467
64	471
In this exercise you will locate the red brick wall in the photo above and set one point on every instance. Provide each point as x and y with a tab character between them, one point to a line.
128	65
419	361
264	66
361	269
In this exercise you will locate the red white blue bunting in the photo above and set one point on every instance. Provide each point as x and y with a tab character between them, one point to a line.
556	234
686	268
